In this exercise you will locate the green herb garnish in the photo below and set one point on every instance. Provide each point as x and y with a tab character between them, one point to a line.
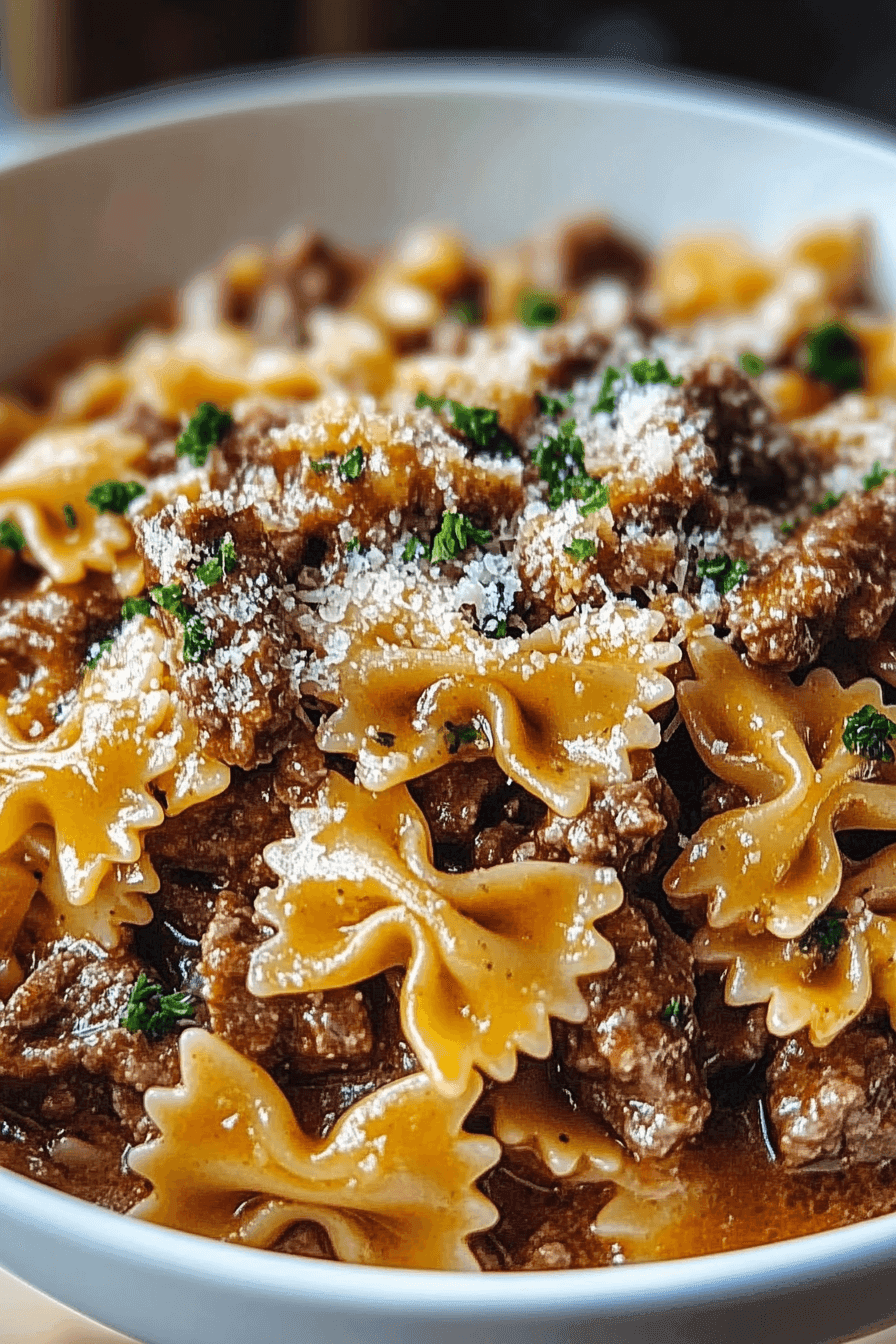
536	308
480	424
101	648
412	547
825	936
653	371
833	355
606	397
153	1012
205	428
674	1012
114	496
466	311
867	733
460	733
352	464
213	570
787	528
499	631
875	477
724	572
581	548
751	364
353	545
68	514
549	405
135	606
11	535
829	502
196	640
561	465
455	534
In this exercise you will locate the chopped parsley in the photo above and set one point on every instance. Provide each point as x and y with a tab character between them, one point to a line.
653	371
467	311
68	514
561	464
455	534
549	405
135	606
829	502
581	548
787	527
412	547
224	562
205	428
196	639
724	572
674	1012
498	631
867	733
348	467
875	477
114	496
834	356
101	648
153	1012
536	308
460	733
825	936
606	397
353	545
751	364
479	424
11	535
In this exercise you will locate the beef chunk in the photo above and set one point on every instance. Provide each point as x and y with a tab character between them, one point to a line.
621	828
632	1061
223	838
240	692
835	577
839	1102
755	453
729	1037
473	811
44	638
66	1015
316	1033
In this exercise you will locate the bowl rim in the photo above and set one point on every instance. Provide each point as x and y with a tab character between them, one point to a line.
449	1295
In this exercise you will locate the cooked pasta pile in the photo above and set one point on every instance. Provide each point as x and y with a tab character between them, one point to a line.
446	789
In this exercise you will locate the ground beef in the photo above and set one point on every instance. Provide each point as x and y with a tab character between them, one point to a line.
474	812
315	1033
835	577
839	1102
66	1015
632	1062
622	828
728	1037
44	638
241	692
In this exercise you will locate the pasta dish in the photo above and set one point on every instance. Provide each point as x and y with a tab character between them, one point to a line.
447	778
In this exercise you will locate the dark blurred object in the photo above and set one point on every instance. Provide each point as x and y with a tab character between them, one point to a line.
58	53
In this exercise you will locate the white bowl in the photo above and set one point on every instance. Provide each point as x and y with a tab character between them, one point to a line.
136	198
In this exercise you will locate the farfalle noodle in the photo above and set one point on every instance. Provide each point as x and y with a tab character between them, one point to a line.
58	467
560	709
491	955
89	778
802	987
776	861
393	1183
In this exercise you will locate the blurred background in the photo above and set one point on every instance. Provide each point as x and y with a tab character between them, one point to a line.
59	54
